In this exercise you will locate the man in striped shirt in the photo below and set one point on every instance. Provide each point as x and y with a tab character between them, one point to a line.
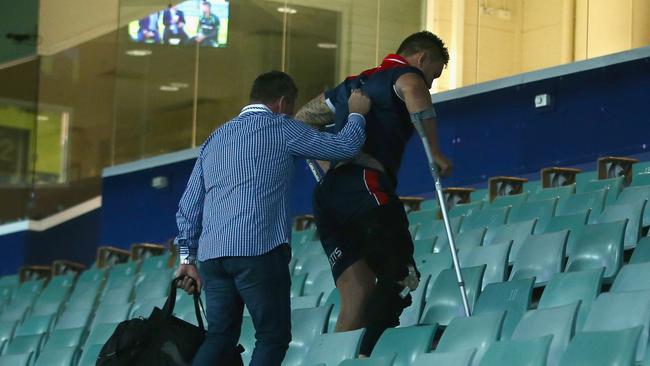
233	216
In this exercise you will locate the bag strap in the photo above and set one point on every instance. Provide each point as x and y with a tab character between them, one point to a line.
168	308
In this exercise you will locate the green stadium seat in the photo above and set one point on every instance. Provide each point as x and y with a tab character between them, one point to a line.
485	219
494	257
84	295
592	202
514	297
9	280
155	263
64	338
602	348
411	315
641	168
111	313
634	195
25	344
542	211
153	287
7	329
35	325
617	311
310	248
599	245
89	355
458	358
292	264
100	334
413	229
422	216
614	186
332	348
633	213
479	195
58	357
119	282
567	288
468	239
407	343
423	246
444	301
641	180
297	284
24	359
632	277
127	269
561	192
299	237
529	352
373	361
14	312
143	308
93	275
118	295
430	204
465	209
586	177
333	299
508	201
515	232
540	257
477	333
574	223
306	325
532	186
319	283
556	321
641	253
432	265
306	302
437	228
74	318
311	264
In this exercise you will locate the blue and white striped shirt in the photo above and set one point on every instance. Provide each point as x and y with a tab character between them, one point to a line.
237	199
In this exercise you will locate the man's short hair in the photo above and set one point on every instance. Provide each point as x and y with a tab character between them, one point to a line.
424	41
206	3
272	85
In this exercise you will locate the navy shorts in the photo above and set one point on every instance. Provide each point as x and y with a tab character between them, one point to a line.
360	216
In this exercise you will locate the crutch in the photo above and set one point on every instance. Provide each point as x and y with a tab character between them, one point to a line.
443	207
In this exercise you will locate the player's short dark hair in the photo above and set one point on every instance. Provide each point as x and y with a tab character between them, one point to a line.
424	41
206	3
272	85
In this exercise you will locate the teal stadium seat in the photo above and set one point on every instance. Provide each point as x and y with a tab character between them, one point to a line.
74	318
475	333
374	361
480	194
25	344
586	177
24	359
529	352
604	348
35	325
561	192
306	302
411	315
423	246
599	245
466	240
155	263
532	187
591	202
319	283
422	217
89	355
515	232
155	285
64	338
458	358
306	325
298	284
641	253
485	219
143	308
311	264
632	212
494	257
634	195
508	201
542	211
540	257
7	329
514	297
432	265
430	204
407	343
333	299
111	313
331	349
574	223
58	357
466	209
632	277
614	186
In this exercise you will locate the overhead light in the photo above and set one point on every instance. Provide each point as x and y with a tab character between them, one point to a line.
41	117
179	85
168	88
287	10
138	52
327	46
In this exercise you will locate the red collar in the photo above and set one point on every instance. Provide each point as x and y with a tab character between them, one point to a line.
390	61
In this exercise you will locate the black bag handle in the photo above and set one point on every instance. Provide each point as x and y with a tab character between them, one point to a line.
168	308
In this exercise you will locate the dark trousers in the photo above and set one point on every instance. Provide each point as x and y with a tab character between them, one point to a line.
262	283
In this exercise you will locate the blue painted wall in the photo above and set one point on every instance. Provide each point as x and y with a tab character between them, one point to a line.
594	113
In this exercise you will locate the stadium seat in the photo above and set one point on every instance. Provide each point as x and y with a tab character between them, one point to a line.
413	229
516	232
485	219
634	195
437	228
423	246
632	277
111	313
556	321
64	338
119	282
432	265
411	315
561	192
93	275
602	348
74	318
542	211
56	291
143	308
532	186
444	302
84	295
306	325
24	359
333	299
422	217
540	257
514	297
155	263
330	349
599	245
299	237
567	288
641	253
25	344
508	201
479	195
89	355
311	264
612	185
372	361
617	311
465	209
641	168
494	257
468	239
100	334
574	223
581	202
7	329
429	204
641	180
310	248
476	333
153	286
14	312
529	352
127	269
306	302
118	295
58	357
586	177
458	358
35	325
632	212
319	283
407	343
298	284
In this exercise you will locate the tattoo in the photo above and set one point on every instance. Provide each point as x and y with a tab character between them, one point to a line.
315	113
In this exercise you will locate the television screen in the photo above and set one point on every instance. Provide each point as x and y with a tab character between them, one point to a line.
186	23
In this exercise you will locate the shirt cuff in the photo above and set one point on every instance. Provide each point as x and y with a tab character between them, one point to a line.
358	117
184	249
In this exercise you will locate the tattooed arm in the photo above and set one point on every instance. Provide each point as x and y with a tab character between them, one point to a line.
316	113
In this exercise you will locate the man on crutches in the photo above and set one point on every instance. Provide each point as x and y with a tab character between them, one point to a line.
360	218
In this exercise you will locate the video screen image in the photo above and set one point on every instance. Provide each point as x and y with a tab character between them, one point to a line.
203	22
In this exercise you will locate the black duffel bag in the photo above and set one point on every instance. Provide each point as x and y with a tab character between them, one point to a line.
161	340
